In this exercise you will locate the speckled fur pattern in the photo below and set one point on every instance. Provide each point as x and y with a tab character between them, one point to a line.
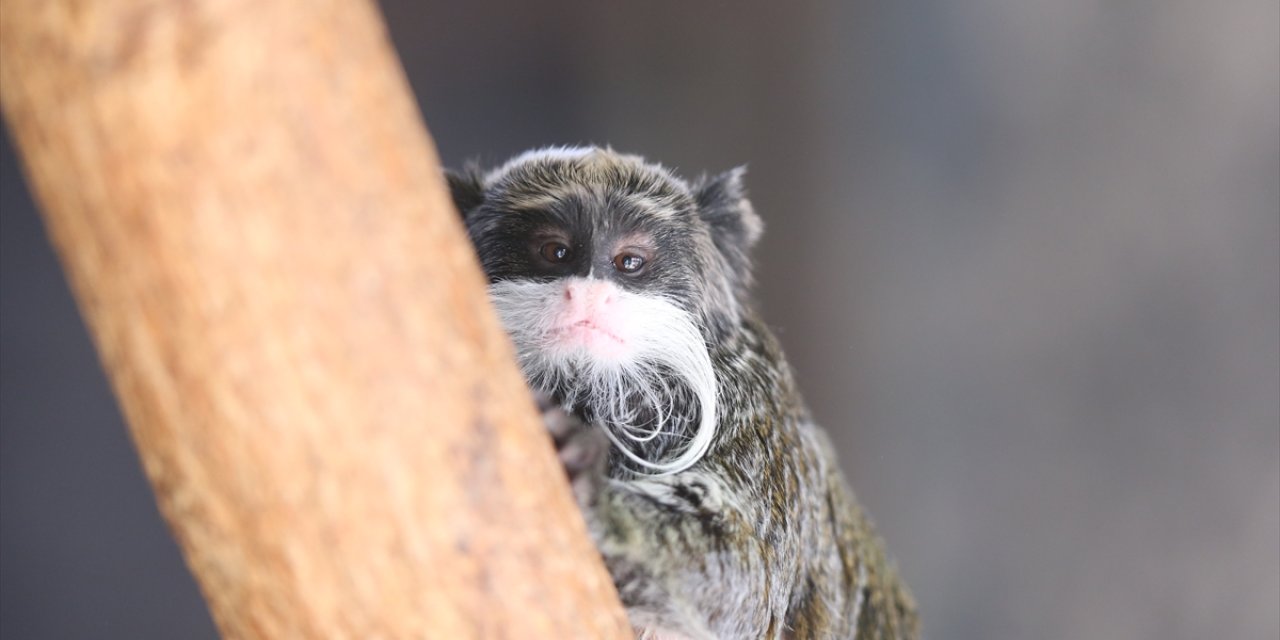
759	537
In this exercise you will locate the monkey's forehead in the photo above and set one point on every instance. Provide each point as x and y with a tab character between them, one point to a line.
545	171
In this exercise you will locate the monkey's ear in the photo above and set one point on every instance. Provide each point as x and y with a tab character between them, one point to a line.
466	187
723	205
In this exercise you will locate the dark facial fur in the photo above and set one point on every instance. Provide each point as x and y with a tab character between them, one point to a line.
722	513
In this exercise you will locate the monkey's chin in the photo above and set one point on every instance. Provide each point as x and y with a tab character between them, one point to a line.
649	384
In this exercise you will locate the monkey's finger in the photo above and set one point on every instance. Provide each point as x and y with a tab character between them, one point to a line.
544	400
584	452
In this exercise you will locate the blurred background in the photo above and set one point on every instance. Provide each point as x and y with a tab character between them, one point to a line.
1025	256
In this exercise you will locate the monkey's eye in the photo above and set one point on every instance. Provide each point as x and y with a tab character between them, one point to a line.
555	252
628	262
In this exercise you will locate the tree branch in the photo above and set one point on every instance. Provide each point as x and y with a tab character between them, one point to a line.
254	223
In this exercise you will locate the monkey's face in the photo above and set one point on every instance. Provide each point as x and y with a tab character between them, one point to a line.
612	276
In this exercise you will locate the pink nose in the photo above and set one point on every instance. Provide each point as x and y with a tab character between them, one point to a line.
588	295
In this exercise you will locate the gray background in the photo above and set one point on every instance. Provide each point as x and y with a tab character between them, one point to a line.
1023	254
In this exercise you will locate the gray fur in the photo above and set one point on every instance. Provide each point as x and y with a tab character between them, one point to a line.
758	537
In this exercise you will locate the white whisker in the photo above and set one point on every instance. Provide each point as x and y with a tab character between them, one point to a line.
665	376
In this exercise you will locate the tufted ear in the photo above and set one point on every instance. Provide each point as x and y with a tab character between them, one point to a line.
735	227
466	187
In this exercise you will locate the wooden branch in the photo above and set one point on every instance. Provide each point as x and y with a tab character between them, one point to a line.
255	226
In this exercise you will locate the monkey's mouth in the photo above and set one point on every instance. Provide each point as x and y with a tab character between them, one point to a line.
586	332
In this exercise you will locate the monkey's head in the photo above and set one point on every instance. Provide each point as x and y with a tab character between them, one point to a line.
613	276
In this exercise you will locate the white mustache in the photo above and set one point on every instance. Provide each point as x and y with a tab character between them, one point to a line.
668	366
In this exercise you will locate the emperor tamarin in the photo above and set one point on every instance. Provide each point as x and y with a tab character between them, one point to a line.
714	499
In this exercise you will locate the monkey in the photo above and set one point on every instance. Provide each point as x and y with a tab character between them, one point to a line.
713	497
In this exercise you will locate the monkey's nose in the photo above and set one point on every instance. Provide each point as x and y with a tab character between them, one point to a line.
588	294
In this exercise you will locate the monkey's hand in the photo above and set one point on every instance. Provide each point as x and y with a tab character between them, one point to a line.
583	448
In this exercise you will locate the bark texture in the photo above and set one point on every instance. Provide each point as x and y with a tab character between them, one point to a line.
254	223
